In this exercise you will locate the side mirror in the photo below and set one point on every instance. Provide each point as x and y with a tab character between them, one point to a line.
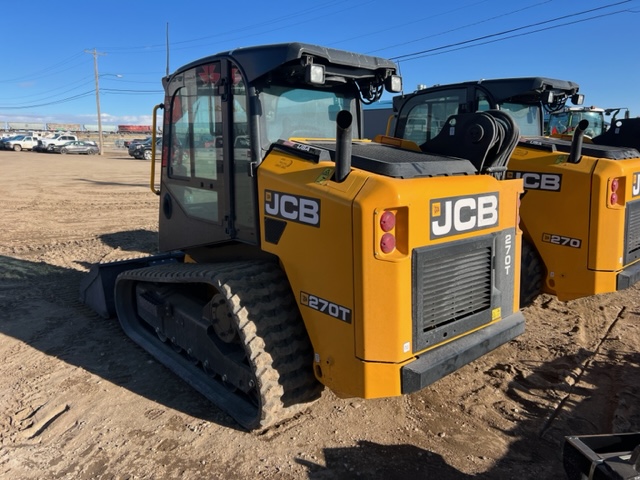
577	99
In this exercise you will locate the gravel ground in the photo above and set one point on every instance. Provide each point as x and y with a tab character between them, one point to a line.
82	401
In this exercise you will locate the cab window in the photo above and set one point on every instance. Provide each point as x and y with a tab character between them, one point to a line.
195	160
424	116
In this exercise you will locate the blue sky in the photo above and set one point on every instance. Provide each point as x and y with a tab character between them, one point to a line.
47	72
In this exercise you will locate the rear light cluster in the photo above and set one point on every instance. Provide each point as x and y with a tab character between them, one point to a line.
613	198
391	233
616	192
388	239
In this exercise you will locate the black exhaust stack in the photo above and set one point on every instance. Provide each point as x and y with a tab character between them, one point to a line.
344	120
576	142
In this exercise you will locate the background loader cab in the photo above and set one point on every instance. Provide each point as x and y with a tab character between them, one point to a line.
581	209
566	120
308	257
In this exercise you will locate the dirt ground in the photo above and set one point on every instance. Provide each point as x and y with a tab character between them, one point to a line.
79	400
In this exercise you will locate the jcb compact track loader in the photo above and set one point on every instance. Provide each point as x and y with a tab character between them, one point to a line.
297	256
580	213
565	120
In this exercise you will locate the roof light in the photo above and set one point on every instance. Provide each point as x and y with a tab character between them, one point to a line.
314	74
577	99
393	83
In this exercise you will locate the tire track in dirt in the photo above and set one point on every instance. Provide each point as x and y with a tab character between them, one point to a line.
578	373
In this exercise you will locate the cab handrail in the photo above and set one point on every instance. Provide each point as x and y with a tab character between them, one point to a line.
152	183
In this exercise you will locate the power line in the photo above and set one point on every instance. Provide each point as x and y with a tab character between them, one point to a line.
424	53
123	91
235	30
462	27
47	71
405	23
55	102
517	35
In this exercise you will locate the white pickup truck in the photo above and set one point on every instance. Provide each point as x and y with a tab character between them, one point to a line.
21	142
47	144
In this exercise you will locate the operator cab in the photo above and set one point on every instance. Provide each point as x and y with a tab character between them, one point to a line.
225	112
420	115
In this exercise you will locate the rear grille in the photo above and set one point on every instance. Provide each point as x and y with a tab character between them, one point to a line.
632	232
453	289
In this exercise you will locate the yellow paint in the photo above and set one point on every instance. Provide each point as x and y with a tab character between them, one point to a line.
340	261
581	210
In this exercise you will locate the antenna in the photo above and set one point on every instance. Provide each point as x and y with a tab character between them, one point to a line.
167	49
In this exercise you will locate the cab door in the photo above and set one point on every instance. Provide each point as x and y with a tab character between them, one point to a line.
194	193
204	117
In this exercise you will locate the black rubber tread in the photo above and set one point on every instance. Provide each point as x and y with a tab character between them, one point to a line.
271	330
531	274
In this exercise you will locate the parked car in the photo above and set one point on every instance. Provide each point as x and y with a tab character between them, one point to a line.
143	150
7	139
128	143
48	144
21	142
77	146
136	145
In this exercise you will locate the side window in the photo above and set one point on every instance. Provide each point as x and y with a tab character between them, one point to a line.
482	102
558	123
428	113
244	217
527	117
195	157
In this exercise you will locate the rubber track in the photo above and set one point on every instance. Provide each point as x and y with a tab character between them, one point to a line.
269	325
531	274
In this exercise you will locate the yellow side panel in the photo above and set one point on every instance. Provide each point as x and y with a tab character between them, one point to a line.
317	258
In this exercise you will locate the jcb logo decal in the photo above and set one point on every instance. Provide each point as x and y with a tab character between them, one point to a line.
538	181
635	189
455	215
304	210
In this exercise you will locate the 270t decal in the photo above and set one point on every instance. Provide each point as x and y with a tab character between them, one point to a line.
325	306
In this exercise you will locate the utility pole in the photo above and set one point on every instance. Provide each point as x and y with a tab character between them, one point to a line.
95	68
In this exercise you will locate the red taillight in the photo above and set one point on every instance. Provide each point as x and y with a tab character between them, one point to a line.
613	197
387	243
387	221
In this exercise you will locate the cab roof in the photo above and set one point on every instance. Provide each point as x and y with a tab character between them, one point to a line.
507	88
259	60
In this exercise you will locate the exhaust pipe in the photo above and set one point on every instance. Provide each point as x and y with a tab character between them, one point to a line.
344	120
576	142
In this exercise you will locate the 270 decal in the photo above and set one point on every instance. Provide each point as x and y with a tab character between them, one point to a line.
561	240
325	306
